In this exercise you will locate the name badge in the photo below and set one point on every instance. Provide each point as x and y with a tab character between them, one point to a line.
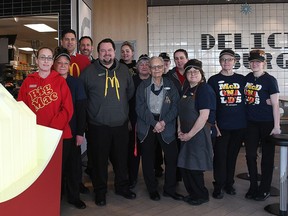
33	86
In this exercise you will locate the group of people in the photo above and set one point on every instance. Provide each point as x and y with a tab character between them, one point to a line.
132	111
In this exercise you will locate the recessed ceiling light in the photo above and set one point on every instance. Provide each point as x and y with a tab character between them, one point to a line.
40	27
26	49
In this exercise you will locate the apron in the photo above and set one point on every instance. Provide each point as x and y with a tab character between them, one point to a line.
197	153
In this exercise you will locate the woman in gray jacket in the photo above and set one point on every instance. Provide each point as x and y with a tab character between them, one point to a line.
156	108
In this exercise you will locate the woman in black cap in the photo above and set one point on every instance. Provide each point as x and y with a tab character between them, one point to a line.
231	121
196	115
71	170
262	99
165	56
143	72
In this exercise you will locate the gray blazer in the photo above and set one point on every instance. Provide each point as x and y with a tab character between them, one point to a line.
168	113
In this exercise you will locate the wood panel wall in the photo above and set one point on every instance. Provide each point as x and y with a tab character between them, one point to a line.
121	20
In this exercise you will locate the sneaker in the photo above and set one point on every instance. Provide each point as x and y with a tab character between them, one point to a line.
174	195
196	202
155	196
218	194
192	201
83	189
230	190
78	204
128	194
262	196
251	194
132	184
100	199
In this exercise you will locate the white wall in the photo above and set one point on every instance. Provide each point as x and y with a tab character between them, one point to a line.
174	27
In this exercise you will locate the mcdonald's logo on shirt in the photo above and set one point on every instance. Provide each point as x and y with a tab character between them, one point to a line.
74	70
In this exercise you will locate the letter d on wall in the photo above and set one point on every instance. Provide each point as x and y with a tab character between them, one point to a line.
207	41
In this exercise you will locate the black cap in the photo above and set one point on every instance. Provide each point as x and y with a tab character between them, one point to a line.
227	52
257	55
193	63
143	57
60	51
165	56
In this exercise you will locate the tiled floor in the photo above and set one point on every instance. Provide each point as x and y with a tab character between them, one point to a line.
142	206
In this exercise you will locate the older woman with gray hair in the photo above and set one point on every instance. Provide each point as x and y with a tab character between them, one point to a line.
156	108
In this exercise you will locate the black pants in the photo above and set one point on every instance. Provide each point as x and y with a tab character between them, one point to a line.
158	158
226	149
133	160
194	183
148	147
258	132
89	156
71	172
109	142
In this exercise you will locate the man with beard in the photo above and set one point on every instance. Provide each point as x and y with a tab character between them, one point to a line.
109	86
86	47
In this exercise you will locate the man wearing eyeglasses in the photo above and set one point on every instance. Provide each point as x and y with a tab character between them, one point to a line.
231	122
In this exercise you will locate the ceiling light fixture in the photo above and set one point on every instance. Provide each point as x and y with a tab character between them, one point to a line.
28	49
40	27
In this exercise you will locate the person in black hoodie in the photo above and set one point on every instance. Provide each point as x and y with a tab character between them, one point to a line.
109	86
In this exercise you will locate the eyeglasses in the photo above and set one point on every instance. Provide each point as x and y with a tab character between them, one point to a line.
194	72
47	58
226	60
159	67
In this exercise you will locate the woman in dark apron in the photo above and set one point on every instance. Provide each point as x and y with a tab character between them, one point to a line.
196	115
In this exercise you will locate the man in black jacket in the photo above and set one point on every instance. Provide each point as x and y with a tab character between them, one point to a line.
109	86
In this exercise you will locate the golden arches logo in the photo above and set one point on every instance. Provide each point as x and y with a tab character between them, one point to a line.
71	69
113	81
